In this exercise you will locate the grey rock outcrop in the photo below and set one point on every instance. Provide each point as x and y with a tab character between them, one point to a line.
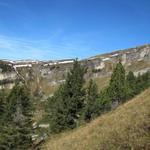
54	72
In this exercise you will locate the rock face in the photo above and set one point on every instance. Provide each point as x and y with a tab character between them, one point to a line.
54	72
10	76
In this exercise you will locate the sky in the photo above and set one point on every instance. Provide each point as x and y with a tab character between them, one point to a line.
60	29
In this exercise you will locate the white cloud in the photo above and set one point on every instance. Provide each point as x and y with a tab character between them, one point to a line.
21	48
57	46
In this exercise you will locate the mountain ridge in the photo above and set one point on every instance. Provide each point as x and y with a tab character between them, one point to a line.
49	74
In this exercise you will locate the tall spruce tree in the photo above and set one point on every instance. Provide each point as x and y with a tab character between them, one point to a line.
104	101
74	88
2	114
117	86
66	104
2	103
18	120
146	80
139	84
142	82
58	114
90	110
131	83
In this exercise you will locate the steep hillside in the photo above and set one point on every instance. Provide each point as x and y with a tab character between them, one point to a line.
126	128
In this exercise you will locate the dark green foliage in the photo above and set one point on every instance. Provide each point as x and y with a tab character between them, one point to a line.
117	86
146	80
73	88
123	87
19	98
16	134
142	82
72	104
96	70
131	84
98	104
104	101
5	67
58	112
90	110
65	106
2	112
137	84
2	103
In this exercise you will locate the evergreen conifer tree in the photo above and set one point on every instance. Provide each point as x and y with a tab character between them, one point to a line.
90	110
131	83
146	80
18	120
117	86
104	101
2	103
2	120
66	104
139	84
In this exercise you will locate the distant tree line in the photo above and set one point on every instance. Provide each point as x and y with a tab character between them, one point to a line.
73	103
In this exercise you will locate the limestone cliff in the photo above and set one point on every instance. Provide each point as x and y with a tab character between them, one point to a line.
51	73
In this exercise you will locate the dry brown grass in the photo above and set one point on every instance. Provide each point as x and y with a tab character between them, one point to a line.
47	88
138	65
102	82
126	128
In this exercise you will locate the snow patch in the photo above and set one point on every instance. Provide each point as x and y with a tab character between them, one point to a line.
105	59
66	62
25	65
114	55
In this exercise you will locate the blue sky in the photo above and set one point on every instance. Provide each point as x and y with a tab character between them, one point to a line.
58	29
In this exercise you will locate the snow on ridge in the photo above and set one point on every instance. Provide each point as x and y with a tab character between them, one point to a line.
58	62
114	55
66	61
92	58
50	64
24	65
26	61
105	59
17	62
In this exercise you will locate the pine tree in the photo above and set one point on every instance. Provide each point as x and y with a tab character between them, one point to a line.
67	102
142	82
58	112
104	101
131	83
139	84
2	103
2	120
74	88
18	120
90	101
117	86
146	80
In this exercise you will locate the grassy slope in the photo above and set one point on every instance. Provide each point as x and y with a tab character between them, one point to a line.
139	65
126	128
102	82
